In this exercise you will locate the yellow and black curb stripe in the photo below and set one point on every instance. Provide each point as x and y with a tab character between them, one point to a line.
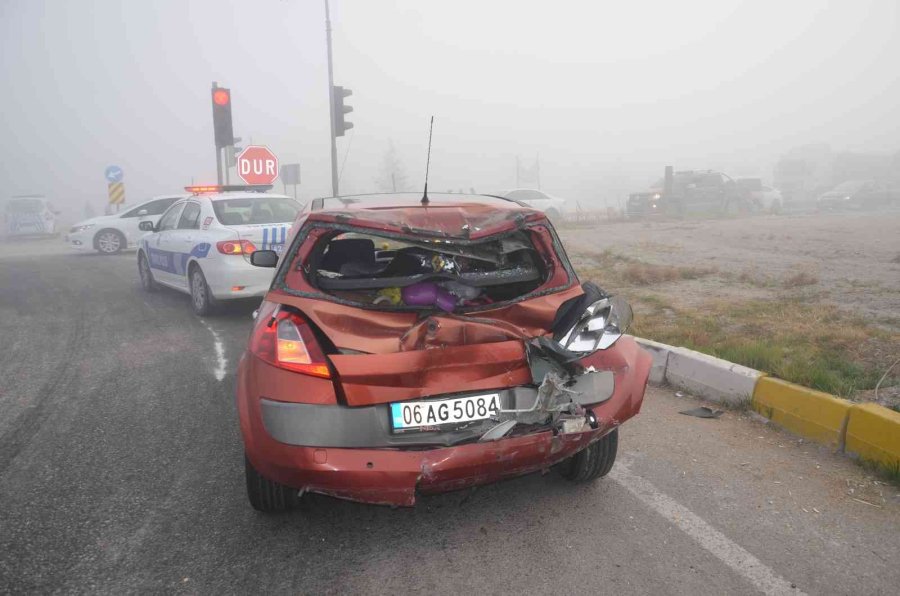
867	430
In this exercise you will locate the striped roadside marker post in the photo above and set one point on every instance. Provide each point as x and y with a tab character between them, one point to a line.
116	194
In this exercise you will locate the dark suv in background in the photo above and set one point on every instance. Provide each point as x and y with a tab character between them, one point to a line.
689	191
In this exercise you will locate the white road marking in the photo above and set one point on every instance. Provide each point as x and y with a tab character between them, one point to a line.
714	541
221	362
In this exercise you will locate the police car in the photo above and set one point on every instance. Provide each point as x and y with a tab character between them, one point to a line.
202	243
111	234
28	215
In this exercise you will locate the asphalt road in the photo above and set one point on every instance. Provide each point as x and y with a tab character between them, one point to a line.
121	471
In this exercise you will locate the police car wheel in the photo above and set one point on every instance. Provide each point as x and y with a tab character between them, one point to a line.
147	281
267	495
109	242
202	299
595	461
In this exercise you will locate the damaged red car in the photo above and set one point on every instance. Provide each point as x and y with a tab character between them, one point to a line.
414	346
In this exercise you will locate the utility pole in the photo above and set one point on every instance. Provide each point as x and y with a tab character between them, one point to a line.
334	171
218	149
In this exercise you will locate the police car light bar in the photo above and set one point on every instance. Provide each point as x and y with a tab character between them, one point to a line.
213	188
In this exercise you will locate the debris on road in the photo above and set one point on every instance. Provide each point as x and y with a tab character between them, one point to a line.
703	412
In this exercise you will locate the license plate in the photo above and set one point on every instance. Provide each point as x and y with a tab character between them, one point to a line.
278	248
408	415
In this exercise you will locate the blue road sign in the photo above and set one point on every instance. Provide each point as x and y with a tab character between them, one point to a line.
114	174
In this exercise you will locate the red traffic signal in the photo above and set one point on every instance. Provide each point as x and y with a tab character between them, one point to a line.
221	97
221	107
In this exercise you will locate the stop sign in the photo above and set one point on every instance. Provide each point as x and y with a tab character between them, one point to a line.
257	165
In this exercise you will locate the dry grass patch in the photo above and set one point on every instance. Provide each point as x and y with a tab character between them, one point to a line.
810	344
618	270
799	279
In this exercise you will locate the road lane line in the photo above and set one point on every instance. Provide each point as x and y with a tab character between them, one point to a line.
714	541
219	370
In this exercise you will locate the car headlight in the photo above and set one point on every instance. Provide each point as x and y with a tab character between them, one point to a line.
847	198
601	325
76	229
657	196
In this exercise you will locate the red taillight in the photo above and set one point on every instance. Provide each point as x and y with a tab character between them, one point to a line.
235	247
287	341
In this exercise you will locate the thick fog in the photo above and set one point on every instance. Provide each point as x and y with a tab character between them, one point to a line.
605	93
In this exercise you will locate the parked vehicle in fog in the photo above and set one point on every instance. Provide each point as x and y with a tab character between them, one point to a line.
689	191
552	206
759	196
859	194
111	234
203	243
28	215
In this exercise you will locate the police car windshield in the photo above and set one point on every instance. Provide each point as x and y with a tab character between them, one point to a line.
255	210
25	206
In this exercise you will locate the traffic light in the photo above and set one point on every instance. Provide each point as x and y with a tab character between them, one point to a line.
232	151
340	109
221	105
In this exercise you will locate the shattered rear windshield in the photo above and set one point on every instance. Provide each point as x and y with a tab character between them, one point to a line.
438	274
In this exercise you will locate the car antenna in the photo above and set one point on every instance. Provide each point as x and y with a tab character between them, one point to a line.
425	200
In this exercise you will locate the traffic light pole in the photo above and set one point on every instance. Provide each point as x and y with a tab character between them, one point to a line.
215	86
334	172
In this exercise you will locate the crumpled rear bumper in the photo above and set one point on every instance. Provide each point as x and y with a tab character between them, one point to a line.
393	476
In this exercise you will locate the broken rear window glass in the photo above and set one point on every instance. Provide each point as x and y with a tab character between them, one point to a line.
429	274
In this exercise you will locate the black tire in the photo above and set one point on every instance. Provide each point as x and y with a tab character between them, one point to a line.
202	300
266	495
593	462
109	242
147	281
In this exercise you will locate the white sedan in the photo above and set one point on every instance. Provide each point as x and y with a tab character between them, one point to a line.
110	234
202	244
538	199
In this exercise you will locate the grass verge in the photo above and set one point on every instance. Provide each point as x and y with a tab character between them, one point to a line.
810	344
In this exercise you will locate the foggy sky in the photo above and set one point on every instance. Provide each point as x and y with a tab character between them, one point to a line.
605	92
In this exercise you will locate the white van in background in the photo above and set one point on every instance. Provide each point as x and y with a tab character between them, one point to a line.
28	215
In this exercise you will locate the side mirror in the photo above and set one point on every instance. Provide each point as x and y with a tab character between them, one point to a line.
146	226
142	213
264	258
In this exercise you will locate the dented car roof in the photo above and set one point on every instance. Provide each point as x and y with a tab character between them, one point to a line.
446	214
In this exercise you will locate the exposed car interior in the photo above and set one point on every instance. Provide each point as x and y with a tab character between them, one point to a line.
426	274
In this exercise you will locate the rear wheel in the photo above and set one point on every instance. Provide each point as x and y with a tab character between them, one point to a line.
593	462
147	281
202	299
109	242
267	495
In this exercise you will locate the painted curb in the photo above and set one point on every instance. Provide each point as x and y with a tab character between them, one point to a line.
812	414
712	378
660	354
869	431
873	434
